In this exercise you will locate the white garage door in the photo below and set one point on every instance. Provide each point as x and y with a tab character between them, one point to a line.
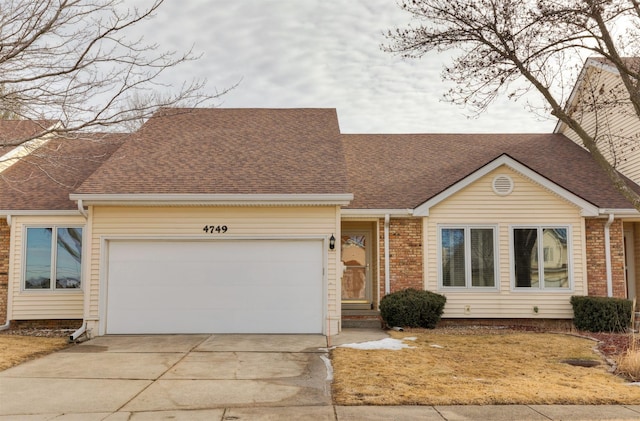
227	286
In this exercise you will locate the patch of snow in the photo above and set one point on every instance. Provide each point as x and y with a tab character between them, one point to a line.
436	346
327	363
634	384
385	344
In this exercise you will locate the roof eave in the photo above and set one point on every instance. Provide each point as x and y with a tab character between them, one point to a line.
376	213
38	212
620	213
154	199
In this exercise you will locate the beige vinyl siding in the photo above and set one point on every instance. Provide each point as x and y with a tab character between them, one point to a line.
622	123
188	222
30	305
528	204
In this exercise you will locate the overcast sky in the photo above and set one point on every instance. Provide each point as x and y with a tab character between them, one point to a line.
322	53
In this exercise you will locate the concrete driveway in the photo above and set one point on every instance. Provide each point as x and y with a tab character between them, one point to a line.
130	377
222	377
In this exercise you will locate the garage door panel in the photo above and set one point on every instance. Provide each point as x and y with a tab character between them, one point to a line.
248	286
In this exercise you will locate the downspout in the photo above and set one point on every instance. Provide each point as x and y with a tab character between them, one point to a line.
75	335
387	270
607	254
82	329
82	210
7	322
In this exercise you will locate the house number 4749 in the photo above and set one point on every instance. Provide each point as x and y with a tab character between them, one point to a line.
215	229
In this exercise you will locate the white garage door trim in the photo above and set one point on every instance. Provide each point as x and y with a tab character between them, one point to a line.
104	264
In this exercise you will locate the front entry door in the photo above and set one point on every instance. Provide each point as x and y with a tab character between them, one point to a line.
356	280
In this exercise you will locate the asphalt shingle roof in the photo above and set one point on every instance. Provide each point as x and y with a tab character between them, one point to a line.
286	151
403	171
43	179
228	151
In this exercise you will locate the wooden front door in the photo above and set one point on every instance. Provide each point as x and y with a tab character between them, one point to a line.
356	280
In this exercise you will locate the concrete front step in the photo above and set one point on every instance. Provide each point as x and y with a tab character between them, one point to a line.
362	323
363	319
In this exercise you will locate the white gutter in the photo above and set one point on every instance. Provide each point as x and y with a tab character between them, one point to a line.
621	213
32	212
5	326
9	220
375	213
607	254
216	199
387	270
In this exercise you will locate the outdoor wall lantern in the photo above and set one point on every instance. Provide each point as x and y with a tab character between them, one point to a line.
332	242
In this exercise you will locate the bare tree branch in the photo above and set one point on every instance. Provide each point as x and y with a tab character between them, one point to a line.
507	47
75	61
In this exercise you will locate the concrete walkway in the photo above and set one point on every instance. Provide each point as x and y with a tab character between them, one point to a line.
221	377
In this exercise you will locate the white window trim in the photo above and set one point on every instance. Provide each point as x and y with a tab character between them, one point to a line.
467	252
541	285
54	252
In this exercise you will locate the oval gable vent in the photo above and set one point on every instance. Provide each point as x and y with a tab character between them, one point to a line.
502	185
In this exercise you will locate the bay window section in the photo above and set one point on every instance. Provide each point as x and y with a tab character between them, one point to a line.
467	257
53	258
541	258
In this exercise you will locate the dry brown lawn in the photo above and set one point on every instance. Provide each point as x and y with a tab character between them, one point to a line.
18	349
478	368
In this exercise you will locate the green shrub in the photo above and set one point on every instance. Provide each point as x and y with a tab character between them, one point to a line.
412	308
601	314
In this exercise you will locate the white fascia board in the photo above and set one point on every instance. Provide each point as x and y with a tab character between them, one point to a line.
587	208
215	199
604	66
620	213
31	212
380	213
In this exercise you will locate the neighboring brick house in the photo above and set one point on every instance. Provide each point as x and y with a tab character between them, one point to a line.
272	221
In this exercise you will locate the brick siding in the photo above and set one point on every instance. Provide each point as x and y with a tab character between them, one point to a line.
405	254
4	269
46	324
596	258
546	324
